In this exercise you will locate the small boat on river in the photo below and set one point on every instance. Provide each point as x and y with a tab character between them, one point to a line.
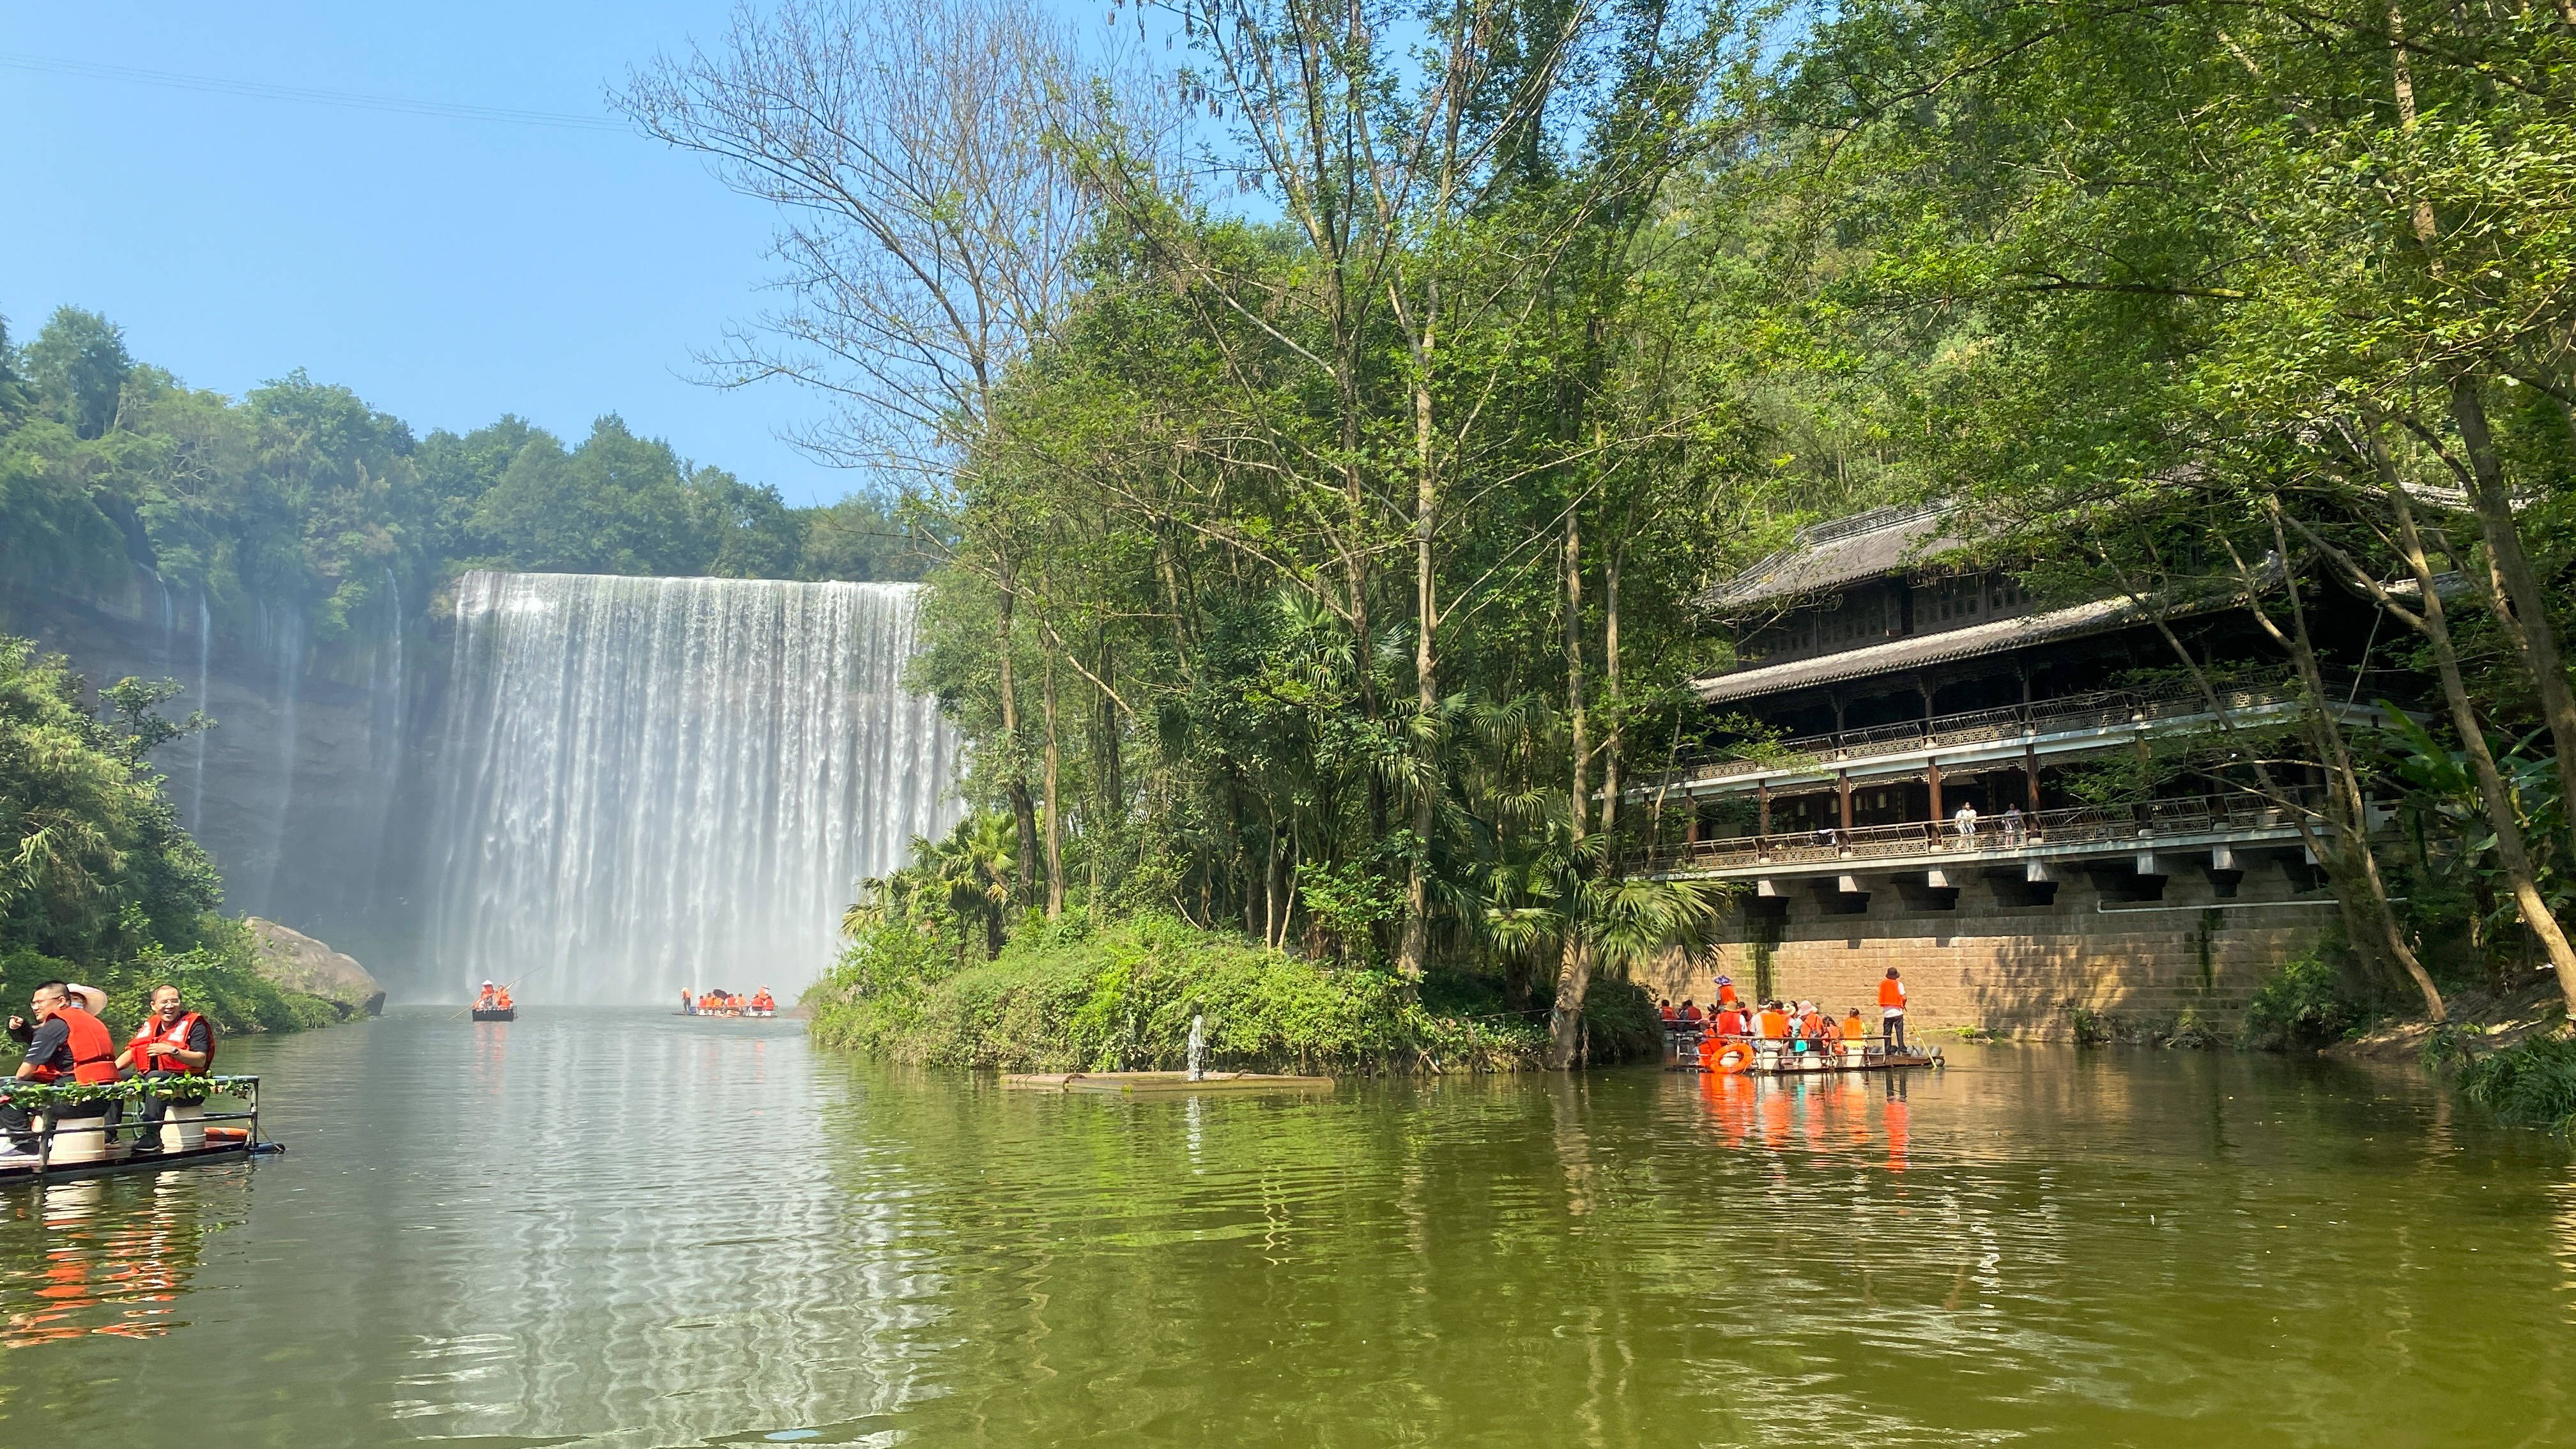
494	1013
193	1134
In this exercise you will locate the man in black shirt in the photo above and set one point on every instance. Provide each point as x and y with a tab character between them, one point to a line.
49	1058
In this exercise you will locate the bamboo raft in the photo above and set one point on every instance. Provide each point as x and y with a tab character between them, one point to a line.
1155	1083
1771	1059
191	1135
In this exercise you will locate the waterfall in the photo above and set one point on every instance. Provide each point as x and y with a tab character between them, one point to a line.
658	783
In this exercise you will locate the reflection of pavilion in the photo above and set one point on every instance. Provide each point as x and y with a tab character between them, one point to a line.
1883	691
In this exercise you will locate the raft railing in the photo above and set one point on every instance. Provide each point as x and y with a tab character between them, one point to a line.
46	1099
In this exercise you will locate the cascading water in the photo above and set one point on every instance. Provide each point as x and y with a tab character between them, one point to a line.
659	783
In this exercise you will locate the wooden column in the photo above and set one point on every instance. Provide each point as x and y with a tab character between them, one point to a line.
1932	774
2030	774
1761	808
1842	788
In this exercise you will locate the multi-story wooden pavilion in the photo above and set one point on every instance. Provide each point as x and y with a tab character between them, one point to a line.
1881	685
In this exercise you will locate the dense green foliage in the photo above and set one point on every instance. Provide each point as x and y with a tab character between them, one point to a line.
97	881
299	496
2532	1082
2305	1004
1065	996
1327	577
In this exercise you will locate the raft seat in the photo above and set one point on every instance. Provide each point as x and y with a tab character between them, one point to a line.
76	1140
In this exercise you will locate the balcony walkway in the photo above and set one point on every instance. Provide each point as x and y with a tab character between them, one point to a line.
1985	737
2206	822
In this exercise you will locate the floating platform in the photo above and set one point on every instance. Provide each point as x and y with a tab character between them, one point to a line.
498	1013
121	1160
1158	1083
1804	1064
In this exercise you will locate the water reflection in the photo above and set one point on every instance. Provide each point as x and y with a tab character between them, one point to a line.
109	1256
630	1230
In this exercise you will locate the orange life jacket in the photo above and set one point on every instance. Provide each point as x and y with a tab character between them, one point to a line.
1891	994
501	1002
1730	1022
1774	1024
1854	1028
93	1049
1726	996
152	1043
764	1002
1811	1025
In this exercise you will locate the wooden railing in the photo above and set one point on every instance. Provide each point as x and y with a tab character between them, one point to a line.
2106	709
2141	825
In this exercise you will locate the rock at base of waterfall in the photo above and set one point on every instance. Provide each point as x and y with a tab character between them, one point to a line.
296	962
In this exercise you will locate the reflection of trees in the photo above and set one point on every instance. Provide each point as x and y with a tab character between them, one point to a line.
1643	1258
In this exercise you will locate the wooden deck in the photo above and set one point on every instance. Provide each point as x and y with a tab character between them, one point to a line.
1155	1083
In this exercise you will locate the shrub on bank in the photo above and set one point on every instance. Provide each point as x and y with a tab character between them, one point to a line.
2532	1082
2303	1005
216	980
1069	996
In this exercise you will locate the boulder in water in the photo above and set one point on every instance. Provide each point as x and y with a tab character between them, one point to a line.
297	962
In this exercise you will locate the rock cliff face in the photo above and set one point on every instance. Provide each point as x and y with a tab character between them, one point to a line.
296	962
311	793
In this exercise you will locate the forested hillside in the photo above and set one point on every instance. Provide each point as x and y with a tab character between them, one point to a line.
300	495
1335	428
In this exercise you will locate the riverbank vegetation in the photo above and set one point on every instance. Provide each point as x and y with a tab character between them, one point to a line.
1071	996
1330	432
98	882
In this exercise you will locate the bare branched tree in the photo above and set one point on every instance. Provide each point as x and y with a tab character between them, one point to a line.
927	226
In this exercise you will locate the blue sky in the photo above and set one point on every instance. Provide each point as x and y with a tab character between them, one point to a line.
449	270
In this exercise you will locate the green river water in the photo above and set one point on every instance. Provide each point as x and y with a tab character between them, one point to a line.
634	1229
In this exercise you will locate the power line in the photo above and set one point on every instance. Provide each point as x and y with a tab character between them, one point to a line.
303	95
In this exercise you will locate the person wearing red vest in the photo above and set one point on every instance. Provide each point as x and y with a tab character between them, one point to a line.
171	1043
66	1042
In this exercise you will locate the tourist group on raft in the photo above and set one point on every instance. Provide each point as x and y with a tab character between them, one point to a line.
719	1002
1795	1026
493	998
66	1041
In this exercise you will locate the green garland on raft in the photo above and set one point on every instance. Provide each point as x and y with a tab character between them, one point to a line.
37	1096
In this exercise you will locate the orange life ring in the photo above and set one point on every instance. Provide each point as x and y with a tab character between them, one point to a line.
1731	1058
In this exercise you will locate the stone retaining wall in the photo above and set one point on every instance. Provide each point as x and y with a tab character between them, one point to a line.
2108	943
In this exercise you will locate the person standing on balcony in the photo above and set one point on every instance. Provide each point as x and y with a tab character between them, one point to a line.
2012	826
1891	1009
1966	821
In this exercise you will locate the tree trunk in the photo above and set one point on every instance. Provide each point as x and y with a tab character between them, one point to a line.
2353	807
2502	815
2524	615
1614	727
1574	965
1414	949
1023	813
1054	800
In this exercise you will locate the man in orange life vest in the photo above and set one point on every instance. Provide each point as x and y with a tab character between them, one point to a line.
67	1042
1891	1009
171	1044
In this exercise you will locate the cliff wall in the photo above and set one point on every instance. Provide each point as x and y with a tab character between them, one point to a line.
311	793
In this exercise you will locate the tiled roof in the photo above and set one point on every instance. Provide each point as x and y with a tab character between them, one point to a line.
1828	556
1993	636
